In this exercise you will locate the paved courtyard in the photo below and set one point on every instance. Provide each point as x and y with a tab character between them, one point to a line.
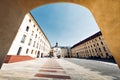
59	69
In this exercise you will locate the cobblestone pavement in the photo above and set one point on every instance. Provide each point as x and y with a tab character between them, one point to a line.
104	68
50	69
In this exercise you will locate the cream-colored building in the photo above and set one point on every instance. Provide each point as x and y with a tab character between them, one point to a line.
93	46
61	51
30	39
56	52
65	52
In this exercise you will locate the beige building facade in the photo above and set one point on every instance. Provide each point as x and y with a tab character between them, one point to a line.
62	51
92	47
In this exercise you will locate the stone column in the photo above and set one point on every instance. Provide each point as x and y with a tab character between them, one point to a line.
11	15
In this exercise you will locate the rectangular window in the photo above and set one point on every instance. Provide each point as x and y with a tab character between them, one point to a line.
99	49
97	44
34	25
30	42
91	46
102	43
36	36
32	52
95	50
32	33
34	44
37	45
29	20
27	28
23	39
107	54
104	49
27	51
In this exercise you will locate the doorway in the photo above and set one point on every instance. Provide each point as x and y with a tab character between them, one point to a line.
19	50
38	54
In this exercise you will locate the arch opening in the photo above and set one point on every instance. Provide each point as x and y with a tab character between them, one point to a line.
102	14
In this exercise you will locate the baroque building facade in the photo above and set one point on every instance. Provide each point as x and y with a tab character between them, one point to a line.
91	47
61	51
30	40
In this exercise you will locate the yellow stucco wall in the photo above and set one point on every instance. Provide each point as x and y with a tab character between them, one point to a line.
106	13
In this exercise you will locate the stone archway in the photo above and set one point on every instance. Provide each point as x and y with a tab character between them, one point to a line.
106	13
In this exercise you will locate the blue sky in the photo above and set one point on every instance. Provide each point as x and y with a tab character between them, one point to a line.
65	23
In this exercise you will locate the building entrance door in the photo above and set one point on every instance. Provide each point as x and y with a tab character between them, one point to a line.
19	50
38	54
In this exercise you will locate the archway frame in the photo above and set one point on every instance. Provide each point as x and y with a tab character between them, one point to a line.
106	13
